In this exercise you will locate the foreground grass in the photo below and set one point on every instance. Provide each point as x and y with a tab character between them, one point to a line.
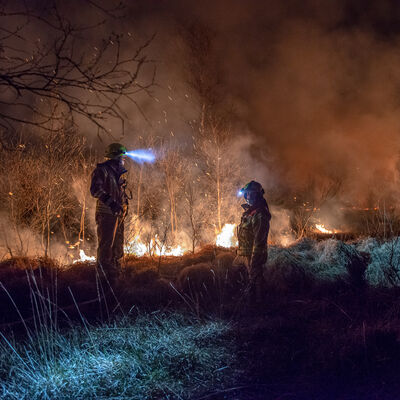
155	356
328	328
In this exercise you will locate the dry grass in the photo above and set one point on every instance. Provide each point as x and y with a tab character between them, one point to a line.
164	356
323	314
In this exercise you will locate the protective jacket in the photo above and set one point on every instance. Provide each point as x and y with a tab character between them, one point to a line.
108	186
253	232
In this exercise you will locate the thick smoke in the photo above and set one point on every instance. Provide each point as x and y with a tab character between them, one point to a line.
316	85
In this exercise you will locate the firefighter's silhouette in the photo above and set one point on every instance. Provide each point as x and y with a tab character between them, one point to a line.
108	187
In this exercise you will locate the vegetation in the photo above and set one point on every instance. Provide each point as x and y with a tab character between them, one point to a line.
326	327
151	356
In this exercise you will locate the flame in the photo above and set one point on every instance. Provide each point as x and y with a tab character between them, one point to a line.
226	238
136	247
322	229
84	257
155	247
172	251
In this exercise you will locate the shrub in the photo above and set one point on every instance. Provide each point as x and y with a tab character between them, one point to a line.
384	267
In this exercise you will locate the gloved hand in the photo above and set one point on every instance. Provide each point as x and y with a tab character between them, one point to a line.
116	208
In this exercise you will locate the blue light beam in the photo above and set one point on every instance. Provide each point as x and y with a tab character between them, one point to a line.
240	193
142	155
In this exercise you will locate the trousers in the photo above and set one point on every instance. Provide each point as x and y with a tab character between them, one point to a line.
110	249
256	284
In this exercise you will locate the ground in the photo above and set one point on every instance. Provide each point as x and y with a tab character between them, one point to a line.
328	327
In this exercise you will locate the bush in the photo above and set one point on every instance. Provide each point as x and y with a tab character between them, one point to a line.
384	267
310	261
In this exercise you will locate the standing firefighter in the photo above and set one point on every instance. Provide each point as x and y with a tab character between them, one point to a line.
252	236
108	187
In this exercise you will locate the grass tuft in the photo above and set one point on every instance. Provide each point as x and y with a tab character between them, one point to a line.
157	356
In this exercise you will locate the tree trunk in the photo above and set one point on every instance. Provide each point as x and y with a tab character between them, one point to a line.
218	176
138	191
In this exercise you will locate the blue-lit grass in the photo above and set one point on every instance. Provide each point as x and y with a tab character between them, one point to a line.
156	356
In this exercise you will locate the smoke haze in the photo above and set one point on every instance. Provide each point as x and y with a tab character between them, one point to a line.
317	87
310	93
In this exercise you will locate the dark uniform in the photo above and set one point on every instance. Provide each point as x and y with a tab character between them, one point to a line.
111	207
252	250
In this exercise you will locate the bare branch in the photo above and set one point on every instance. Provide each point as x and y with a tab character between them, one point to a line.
89	81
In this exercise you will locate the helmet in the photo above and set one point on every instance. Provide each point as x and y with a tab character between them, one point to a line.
115	150
252	186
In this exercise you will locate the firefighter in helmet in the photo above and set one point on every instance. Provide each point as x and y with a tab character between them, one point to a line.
252	236
108	187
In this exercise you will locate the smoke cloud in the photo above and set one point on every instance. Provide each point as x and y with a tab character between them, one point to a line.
315	86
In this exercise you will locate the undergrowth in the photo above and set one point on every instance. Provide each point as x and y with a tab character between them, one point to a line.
330	312
154	356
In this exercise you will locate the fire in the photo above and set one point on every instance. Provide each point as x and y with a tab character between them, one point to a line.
172	251
321	228
136	247
226	238
155	247
84	257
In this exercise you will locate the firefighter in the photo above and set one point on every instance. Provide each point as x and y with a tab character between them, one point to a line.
252	236
108	187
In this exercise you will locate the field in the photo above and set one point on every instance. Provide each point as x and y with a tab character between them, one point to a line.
179	327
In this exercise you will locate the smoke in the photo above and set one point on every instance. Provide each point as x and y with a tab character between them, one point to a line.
17	241
315	86
311	91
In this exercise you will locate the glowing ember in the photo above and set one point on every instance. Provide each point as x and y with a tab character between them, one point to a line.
84	257
226	238
322	229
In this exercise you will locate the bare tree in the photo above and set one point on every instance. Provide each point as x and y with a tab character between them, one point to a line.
173	167
306	204
46	58
219	166
194	213
212	131
36	179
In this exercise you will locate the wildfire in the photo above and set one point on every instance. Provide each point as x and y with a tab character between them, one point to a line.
154	247
136	247
321	228
226	238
